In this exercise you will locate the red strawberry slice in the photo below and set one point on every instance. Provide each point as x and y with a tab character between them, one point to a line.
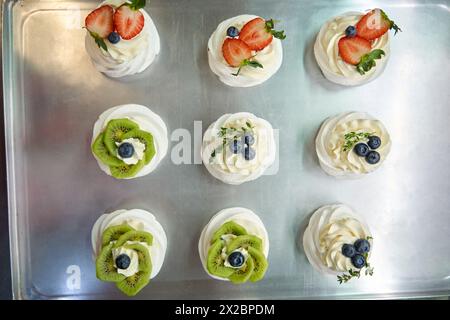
128	22
351	49
254	33
100	21
235	51
374	24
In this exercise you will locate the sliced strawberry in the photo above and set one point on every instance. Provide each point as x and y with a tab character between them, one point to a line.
128	22
100	21
374	24
352	49
254	33
235	51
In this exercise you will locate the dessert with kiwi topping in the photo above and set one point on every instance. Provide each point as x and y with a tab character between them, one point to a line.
129	141
129	248
234	246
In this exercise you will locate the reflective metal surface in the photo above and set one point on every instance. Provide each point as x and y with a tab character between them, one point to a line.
53	96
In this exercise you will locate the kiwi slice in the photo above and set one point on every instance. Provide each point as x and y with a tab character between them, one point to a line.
243	274
133	284
229	227
115	129
99	149
145	138
104	266
126	170
145	262
140	236
113	233
245	242
215	263
260	264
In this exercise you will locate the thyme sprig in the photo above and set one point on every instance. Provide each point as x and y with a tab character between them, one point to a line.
353	138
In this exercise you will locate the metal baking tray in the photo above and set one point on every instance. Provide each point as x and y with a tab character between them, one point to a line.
53	95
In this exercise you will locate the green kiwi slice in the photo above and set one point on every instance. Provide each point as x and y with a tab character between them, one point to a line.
114	131
99	149
260	264
105	268
245	242
140	236
229	227
145	138
133	284
126	170
214	261
243	274
145	262
113	233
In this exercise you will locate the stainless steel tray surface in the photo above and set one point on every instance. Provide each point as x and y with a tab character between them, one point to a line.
53	95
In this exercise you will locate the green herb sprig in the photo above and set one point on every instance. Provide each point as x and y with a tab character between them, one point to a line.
367	61
99	40
353	138
270	24
392	24
249	63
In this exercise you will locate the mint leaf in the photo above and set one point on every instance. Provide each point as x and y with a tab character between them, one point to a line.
270	24
99	40
137	4
392	24
367	61
250	63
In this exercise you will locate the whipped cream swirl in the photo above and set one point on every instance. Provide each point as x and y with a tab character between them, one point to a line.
270	57
329	228
326	51
330	144
233	168
127	57
242	216
140	220
147	121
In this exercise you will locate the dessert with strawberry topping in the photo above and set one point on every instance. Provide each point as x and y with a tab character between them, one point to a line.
245	51
121	38
353	48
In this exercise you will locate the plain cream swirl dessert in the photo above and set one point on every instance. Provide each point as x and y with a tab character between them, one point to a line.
270	56
238	147
334	233
330	62
137	126
233	231
126	56
352	144
129	247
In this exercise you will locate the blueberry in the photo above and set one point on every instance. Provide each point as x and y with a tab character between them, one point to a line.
236	259
232	32
236	146
350	31
114	37
249	139
373	157
348	250
123	261
362	246
374	142
358	261
249	153
361	149
126	150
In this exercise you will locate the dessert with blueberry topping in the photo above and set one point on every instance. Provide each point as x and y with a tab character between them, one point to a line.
353	48
121	38
245	50
129	141
234	246
129	248
352	144
238	147
338	242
